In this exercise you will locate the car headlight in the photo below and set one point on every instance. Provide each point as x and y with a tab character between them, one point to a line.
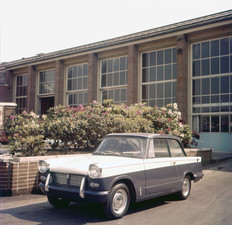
43	166
94	171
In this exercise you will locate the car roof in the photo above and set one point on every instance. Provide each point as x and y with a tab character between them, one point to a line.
144	135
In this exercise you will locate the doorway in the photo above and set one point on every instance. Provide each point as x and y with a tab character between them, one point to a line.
45	104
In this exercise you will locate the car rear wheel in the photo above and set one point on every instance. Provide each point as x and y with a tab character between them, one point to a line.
58	202
118	201
186	188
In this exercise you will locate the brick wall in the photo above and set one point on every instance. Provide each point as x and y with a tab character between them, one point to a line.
205	154
18	178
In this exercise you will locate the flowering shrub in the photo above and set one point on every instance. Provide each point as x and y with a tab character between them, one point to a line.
84	127
25	132
3	137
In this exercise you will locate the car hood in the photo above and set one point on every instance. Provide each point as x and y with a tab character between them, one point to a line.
80	164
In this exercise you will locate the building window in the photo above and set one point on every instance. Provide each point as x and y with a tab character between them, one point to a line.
212	85
21	93
114	76
77	85
47	82
159	77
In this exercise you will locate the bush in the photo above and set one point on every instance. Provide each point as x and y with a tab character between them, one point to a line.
84	127
25	132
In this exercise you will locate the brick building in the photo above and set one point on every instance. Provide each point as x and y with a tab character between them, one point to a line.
188	62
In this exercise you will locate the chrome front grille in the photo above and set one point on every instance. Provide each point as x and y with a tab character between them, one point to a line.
67	179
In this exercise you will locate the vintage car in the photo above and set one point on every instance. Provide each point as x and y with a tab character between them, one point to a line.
124	168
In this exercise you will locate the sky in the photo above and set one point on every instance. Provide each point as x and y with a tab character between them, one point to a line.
30	27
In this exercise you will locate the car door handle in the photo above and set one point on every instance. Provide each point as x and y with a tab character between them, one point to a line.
173	163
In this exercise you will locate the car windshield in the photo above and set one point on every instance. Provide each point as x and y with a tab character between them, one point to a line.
122	146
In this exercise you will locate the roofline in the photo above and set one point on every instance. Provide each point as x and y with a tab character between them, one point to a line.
188	24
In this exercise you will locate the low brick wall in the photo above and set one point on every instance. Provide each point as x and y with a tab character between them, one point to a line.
18	178
204	153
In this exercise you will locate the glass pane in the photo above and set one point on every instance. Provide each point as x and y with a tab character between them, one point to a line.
205	50
225	98
73	71
168	72
85	70
110	80
214	123
160	57
144	92
215	85
152	91
103	66
152	59
215	48
205	67
225	84
214	65
152	74
174	55
160	91
145	59
168	56
123	95
175	148
116	79
109	65
161	149
196	51
160	75
224	46
196	68
215	99
80	74
103	83
174	90
224	66
196	100
85	83
204	123
168	90
145	75
205	99
123	63
116	64
123	77
205	86
174	71
196	87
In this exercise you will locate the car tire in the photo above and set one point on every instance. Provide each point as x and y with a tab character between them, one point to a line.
186	188
58	202
118	201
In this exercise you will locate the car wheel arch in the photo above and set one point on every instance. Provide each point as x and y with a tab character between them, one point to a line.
129	183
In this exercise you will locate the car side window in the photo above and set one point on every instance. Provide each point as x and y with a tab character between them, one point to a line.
159	149
175	148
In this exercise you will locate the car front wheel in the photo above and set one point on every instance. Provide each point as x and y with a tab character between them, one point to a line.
58	202
186	188
118	201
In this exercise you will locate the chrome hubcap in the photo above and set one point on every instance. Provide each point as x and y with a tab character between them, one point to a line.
120	201
186	185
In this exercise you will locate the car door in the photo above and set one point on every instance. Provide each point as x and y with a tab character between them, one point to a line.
160	168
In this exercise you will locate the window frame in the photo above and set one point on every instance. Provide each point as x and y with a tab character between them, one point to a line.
149	86
218	101
21	98
75	93
116	89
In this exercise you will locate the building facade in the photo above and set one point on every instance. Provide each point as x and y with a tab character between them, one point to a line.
188	63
